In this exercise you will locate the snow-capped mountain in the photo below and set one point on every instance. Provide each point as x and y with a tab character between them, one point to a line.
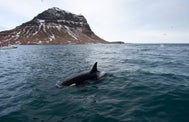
53	26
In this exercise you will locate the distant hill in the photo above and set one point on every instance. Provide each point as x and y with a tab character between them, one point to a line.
53	26
117	42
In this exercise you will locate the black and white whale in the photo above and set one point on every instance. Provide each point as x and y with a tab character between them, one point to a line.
84	78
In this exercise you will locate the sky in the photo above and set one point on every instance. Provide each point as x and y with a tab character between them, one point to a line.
131	21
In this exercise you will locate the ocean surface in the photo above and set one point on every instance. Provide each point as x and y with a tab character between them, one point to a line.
145	83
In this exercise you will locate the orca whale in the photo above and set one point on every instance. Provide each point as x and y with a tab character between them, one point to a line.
84	78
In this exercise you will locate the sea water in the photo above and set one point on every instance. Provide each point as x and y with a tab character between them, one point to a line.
145	83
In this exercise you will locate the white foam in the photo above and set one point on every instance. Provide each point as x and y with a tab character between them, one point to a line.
58	84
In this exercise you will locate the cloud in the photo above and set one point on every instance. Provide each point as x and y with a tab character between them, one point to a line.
155	36
127	20
2	28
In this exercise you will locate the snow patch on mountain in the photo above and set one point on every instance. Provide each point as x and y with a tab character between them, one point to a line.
71	33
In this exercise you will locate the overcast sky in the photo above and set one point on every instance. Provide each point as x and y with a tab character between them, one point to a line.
135	21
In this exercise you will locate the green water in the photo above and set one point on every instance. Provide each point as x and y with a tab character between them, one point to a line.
146	83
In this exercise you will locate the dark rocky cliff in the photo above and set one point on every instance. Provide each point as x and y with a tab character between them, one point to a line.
53	26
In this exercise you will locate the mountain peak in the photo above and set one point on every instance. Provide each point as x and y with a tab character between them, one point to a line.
58	14
55	8
53	26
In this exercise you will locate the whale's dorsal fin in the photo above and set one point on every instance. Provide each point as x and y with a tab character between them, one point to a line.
94	69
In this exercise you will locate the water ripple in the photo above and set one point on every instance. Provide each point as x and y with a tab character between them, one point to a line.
145	83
